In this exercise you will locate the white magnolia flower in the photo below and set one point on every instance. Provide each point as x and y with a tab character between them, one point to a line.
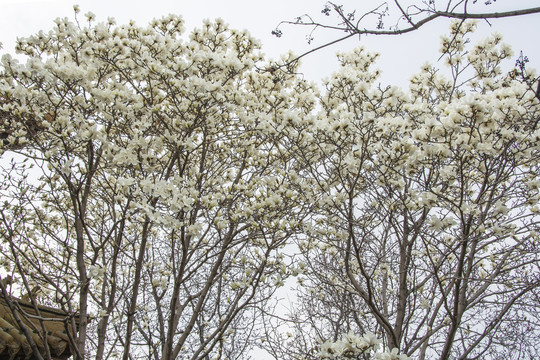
329	350
392	355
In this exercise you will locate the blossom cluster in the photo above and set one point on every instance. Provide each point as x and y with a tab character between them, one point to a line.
353	346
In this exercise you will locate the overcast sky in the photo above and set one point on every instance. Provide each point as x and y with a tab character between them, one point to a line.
401	56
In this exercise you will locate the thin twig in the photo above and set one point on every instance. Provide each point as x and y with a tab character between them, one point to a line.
413	27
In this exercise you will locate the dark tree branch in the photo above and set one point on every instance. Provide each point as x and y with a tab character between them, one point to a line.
352	29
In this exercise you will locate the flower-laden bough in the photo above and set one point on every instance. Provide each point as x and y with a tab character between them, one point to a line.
149	187
426	230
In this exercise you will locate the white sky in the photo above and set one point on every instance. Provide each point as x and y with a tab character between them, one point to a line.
401	56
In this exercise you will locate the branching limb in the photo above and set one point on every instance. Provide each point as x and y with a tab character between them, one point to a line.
429	14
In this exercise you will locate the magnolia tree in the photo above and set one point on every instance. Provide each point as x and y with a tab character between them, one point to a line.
150	191
426	227
151	184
